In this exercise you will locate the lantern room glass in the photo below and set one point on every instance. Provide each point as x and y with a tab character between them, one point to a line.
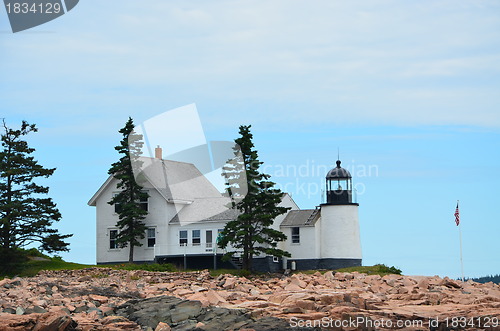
339	184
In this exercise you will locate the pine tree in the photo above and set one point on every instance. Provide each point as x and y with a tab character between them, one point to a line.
251	233
26	215
131	214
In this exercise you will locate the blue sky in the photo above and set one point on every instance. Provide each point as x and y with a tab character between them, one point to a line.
409	88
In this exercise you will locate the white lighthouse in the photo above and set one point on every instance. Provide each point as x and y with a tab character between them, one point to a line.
340	240
326	237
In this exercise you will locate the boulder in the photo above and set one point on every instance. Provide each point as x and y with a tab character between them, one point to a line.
293	287
294	279
229	283
450	283
116	323
305	304
164	327
37	322
201	297
214	298
99	298
423	283
329	275
331	298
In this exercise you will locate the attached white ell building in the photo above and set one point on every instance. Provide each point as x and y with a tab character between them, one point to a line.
186	215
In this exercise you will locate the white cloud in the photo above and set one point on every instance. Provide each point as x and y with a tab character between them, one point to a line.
370	62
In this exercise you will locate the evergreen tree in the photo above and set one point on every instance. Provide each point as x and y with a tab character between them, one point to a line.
251	233
131	214
26	215
495	279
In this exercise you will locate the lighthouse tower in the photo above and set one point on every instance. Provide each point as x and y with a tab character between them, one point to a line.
340	240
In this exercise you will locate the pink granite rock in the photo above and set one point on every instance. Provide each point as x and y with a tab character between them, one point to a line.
58	321
214	298
89	295
164	327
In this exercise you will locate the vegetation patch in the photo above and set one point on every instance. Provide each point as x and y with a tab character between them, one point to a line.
28	262
32	267
378	269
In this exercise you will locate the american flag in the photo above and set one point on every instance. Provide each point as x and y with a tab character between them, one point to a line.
457	216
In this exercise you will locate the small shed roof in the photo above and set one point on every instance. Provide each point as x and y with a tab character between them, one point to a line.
305	217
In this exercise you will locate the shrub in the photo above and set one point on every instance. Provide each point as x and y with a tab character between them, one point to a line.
243	273
12	261
389	270
33	252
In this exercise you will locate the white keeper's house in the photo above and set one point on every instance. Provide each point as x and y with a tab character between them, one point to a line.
186	215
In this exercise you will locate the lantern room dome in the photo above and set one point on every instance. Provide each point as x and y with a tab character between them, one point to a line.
338	172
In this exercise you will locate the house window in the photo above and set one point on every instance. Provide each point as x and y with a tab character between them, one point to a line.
143	203
112	239
196	238
208	238
183	238
151	235
296	235
118	206
276	259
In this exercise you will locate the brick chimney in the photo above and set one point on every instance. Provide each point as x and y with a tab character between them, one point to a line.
158	152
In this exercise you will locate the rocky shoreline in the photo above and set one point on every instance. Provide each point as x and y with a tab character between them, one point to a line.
108	299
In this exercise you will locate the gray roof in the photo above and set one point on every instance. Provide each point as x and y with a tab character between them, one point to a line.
183	182
192	194
206	209
176	180
305	217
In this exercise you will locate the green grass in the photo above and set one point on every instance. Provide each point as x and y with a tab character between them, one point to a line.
378	269
28	262
31	268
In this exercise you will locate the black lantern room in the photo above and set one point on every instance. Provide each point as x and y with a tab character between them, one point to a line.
338	186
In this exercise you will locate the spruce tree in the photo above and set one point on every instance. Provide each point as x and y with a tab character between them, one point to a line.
251	233
26	214
131	227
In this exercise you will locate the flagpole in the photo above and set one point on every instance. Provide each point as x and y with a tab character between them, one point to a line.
461	256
